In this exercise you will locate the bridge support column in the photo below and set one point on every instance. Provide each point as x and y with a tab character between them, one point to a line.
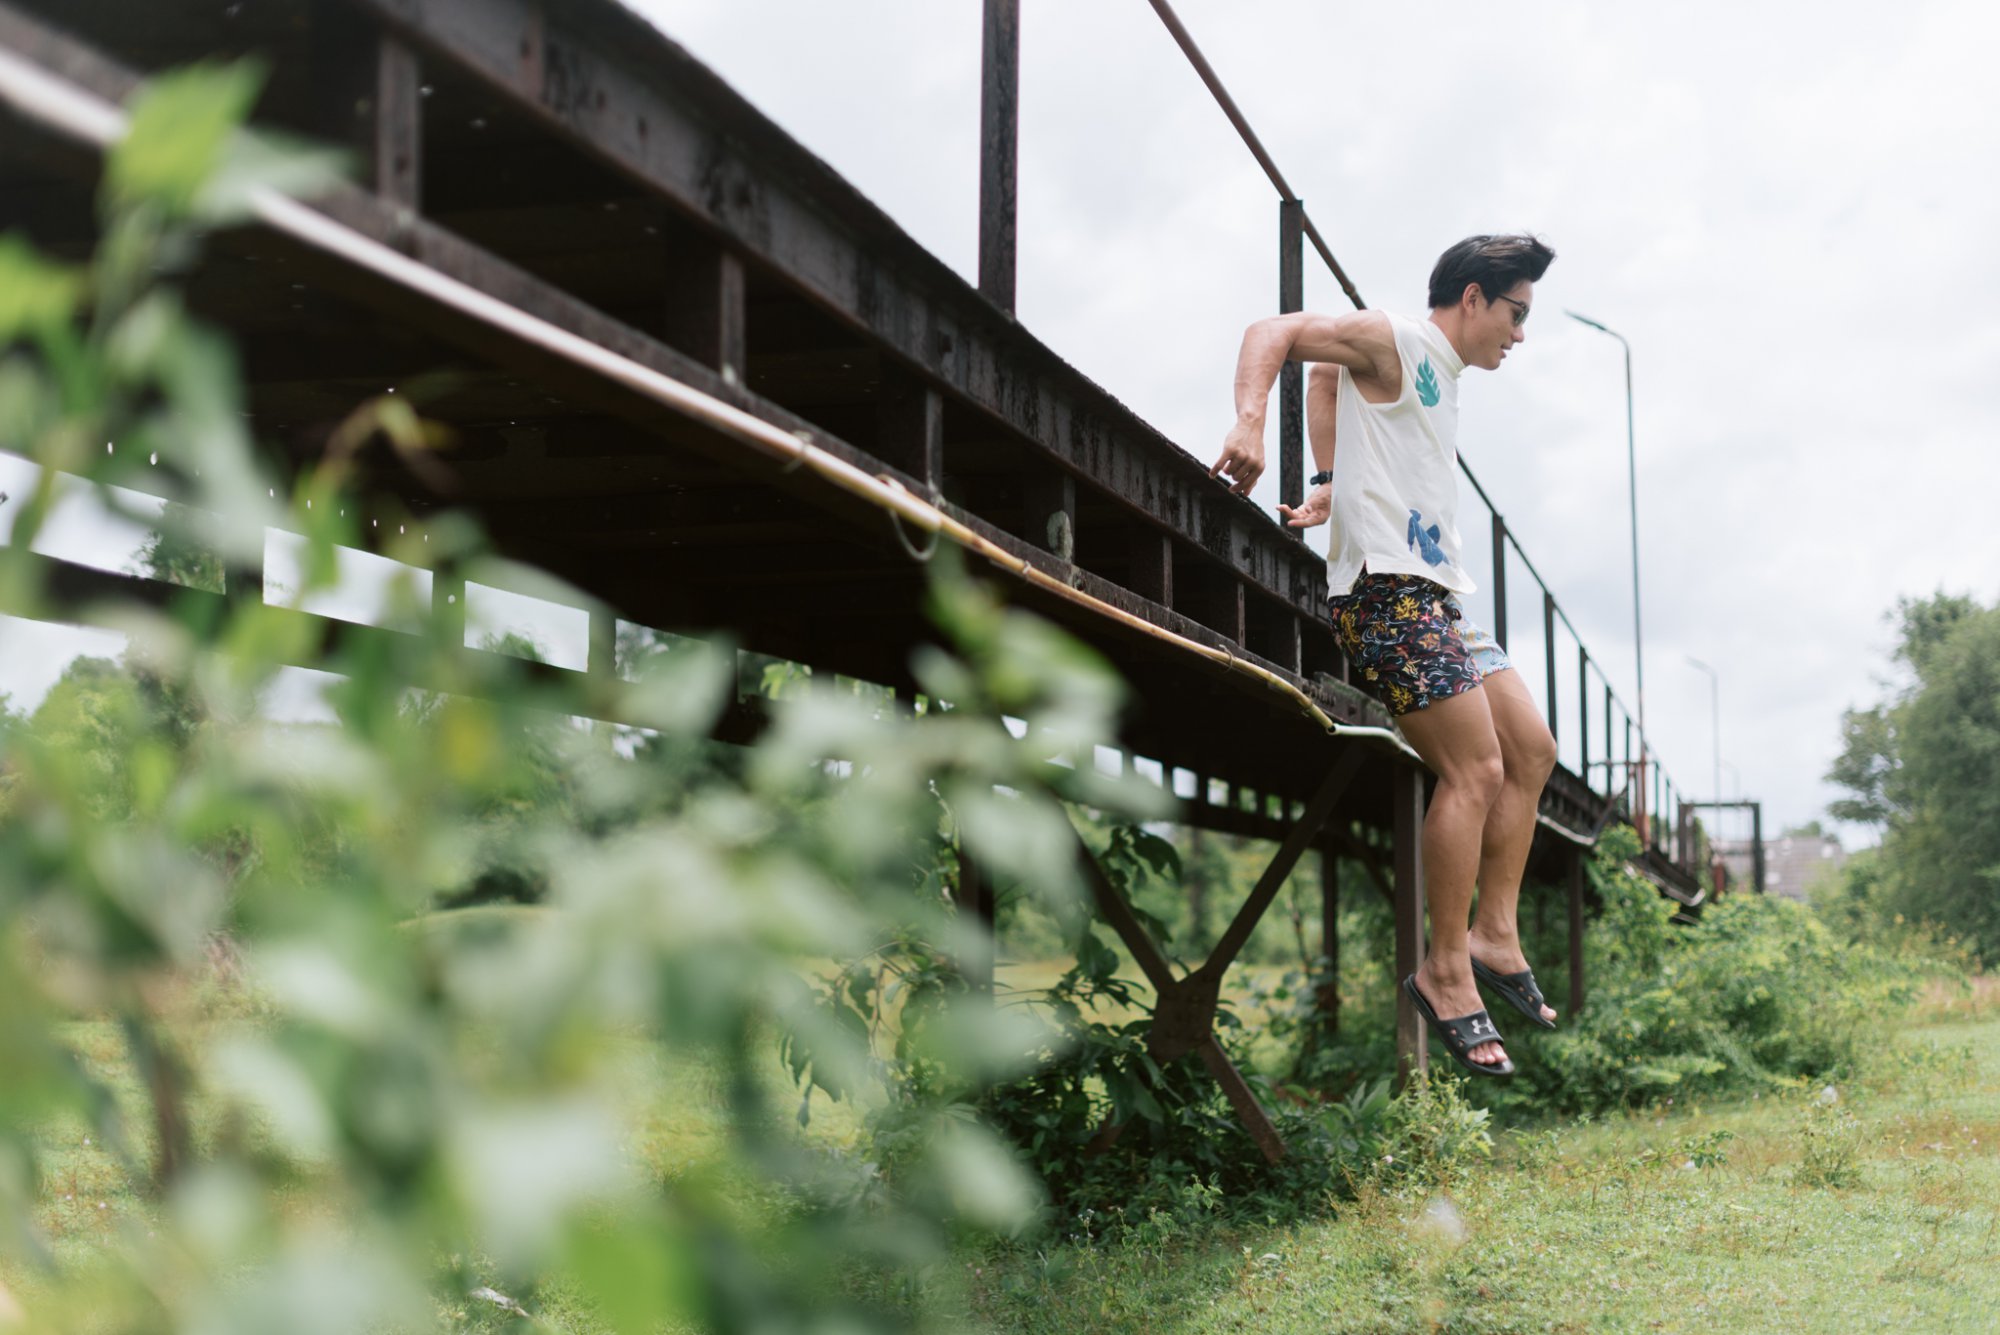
981	944
1329	935
1412	1042
1576	931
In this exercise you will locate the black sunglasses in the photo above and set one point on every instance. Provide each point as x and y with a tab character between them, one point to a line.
1520	310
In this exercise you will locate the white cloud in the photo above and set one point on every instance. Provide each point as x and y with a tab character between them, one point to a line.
1787	207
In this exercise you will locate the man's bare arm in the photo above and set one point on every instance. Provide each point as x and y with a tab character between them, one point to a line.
1360	340
1322	431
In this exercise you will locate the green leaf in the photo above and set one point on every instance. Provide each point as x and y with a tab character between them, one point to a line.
180	126
36	294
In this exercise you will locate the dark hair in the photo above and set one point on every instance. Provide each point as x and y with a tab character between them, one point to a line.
1492	263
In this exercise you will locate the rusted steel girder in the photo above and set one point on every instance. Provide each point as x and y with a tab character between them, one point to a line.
629	96
1184	1015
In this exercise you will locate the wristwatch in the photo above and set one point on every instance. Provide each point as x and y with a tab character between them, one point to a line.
1321	479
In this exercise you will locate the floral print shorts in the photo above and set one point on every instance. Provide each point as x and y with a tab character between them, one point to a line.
1401	634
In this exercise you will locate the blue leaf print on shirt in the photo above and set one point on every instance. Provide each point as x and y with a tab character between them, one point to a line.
1427	386
1425	540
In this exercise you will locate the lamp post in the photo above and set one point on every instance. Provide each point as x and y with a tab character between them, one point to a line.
1638	642
1715	717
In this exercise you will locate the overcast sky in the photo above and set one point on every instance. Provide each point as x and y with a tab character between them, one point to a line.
1790	209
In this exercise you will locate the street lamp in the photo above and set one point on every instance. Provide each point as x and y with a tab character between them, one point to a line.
1632	466
1715	717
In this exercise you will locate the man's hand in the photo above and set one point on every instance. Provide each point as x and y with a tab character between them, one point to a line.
1242	461
1314	510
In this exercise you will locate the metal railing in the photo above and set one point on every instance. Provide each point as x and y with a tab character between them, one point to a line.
1616	762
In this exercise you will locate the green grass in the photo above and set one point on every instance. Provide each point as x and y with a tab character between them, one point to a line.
1879	1211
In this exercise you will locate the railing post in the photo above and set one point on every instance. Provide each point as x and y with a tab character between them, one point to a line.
1292	379
1583	711
1500	580
1757	844
999	149
1549	652
1610	784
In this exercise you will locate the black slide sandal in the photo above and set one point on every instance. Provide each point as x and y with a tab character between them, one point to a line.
1461	1035
1516	989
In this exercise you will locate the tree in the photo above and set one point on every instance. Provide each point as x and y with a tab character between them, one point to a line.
1926	766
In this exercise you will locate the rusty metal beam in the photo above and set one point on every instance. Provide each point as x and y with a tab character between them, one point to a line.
1172	994
634	99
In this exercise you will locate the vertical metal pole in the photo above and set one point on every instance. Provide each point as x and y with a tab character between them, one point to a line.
1407	800
1757	843
1292	379
1635	800
1583	712
1329	917
1610	784
1632	466
999	149
1549	652
1576	933
1500	580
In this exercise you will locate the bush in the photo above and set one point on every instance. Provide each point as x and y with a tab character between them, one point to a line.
1761	993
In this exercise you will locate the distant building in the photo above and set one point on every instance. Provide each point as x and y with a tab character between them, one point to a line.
1792	861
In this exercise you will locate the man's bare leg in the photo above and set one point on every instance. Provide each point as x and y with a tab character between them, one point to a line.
1527	754
1456	739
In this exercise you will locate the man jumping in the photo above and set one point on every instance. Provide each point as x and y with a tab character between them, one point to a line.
1385	388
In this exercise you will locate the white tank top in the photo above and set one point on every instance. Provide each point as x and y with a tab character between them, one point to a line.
1395	470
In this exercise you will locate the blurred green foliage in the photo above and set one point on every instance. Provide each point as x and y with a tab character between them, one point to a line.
355	1106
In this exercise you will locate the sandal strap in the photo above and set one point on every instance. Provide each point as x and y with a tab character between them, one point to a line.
1522	982
1468	1031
